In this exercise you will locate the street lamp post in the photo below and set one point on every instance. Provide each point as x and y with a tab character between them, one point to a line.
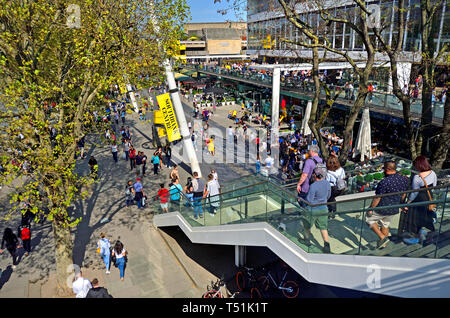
185	134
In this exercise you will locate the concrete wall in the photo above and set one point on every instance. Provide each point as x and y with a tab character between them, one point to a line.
395	276
224	46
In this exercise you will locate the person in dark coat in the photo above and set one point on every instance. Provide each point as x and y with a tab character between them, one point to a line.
12	244
97	292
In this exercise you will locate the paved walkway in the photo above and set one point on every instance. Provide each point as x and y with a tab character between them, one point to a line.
153	270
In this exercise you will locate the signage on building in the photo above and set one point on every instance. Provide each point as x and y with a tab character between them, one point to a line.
170	120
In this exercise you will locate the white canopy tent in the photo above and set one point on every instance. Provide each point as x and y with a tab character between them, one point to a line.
363	140
305	127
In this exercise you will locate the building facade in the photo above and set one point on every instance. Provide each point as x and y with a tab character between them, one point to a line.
219	38
267	27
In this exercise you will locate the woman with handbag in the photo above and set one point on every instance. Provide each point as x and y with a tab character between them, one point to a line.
119	255
419	217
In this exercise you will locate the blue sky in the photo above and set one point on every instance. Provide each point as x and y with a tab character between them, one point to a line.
206	11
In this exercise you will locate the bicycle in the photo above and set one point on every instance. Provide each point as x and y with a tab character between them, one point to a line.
290	289
247	277
215	290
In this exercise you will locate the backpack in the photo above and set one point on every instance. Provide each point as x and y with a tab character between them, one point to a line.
317	165
25	233
341	184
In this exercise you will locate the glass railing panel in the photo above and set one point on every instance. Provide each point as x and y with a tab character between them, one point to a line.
346	228
442	225
254	207
230	211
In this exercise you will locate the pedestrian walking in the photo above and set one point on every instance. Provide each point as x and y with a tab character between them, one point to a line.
198	189
139	193
126	148
24	233
156	162
392	183
194	140
175	193
163	195
168	155
212	193
122	115
80	145
114	150
139	164
81	285
144	163
319	193
129	193
103	248
188	190
174	173
132	155
96	291
119	257
11	242
419	218
93	167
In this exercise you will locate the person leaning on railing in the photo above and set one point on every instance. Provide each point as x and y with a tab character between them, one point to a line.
419	217
392	183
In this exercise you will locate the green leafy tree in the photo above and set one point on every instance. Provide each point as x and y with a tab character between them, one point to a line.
56	63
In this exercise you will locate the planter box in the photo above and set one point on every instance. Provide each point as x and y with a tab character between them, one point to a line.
222	103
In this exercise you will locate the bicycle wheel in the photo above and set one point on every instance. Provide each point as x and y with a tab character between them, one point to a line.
255	293
295	289
240	281
212	294
263	283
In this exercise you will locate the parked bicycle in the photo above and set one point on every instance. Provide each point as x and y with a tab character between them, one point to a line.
215	290
289	288
246	279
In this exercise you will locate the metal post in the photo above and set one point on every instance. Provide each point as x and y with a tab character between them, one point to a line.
442	219
275	116
236	255
246	207
187	142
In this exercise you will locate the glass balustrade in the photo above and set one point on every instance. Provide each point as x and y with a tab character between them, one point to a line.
348	232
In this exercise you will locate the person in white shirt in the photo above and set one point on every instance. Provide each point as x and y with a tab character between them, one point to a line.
230	134
269	161
81	285
212	191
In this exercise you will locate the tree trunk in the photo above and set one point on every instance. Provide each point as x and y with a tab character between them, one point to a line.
63	257
440	150
312	122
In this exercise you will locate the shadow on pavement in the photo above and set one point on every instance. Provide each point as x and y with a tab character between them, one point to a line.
5	276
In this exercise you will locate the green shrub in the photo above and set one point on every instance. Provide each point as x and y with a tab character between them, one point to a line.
378	176
368	178
405	172
360	179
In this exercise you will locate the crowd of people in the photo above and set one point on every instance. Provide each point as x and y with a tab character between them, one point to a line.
195	194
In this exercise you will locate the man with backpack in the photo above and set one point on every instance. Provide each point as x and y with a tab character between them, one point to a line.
308	168
24	233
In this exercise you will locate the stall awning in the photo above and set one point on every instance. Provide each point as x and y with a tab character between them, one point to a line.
181	77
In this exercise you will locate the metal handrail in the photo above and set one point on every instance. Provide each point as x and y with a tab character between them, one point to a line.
366	198
248	186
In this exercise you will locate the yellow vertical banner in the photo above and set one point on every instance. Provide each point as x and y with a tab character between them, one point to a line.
170	121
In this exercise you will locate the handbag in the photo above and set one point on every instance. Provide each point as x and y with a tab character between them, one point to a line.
431	207
99	247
